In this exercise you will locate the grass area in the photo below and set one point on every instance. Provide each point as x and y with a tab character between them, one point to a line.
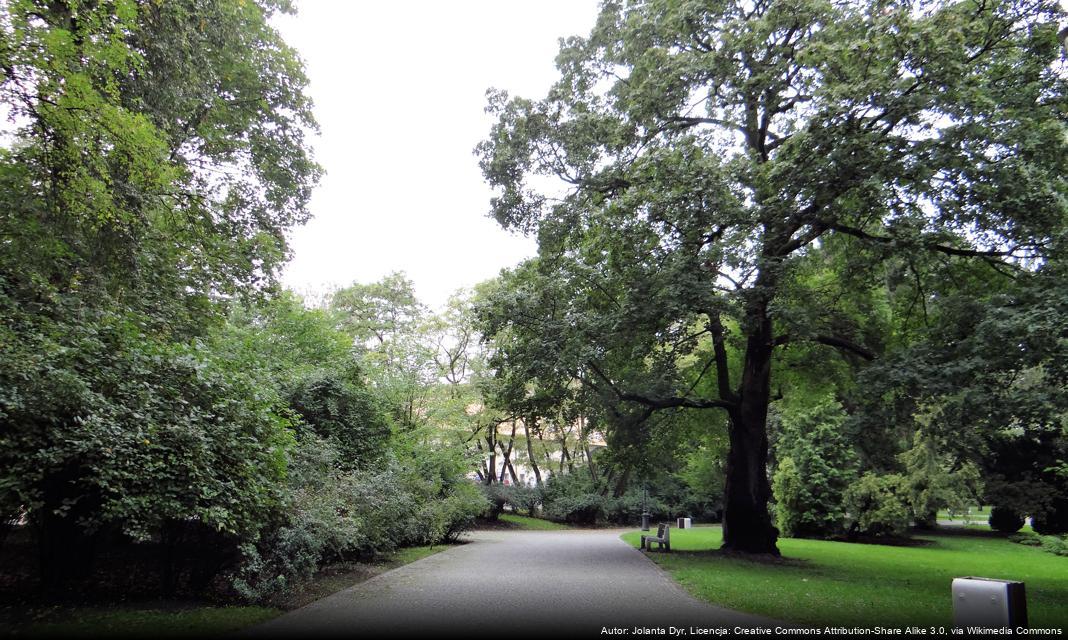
531	524
198	621
169	619
821	582
411	554
978	516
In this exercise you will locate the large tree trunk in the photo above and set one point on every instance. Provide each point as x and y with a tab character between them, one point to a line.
747	524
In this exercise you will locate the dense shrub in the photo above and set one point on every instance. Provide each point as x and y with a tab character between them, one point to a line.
331	515
1057	545
584	508
524	499
1052	519
787	488
496	496
1026	539
337	407
816	465
515	497
931	483
458	511
877	506
572	498
1005	520
627	508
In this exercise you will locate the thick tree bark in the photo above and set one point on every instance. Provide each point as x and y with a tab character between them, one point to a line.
747	524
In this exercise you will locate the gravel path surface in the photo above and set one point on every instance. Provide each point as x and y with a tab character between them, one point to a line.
515	584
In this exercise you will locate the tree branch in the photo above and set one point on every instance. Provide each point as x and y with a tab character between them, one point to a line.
931	246
831	341
653	403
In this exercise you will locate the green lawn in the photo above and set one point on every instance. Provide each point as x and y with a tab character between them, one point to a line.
975	516
198	621
531	524
863	584
174	620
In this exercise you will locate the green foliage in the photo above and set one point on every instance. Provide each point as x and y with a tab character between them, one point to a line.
1005	520
787	487
519	498
570	498
336	406
1057	545
1000	408
933	484
159	431
156	162
877	505
335	514
728	173
1053	519
816	466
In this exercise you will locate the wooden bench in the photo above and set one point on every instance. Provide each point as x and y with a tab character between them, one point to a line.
662	538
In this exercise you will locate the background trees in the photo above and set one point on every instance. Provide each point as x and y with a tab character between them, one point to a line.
753	173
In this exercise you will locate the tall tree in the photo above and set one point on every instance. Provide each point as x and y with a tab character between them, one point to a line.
708	151
156	158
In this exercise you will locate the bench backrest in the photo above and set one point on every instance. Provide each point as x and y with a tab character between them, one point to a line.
662	530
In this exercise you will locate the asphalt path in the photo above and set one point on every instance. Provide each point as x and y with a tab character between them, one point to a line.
514	584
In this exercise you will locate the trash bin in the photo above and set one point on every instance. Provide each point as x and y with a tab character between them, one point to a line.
985	602
645	522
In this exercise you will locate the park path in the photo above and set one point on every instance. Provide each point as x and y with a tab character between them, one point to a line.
515	584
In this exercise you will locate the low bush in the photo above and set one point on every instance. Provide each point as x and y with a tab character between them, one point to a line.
585	508
876	506
1026	539
1052	519
333	515
1057	545
517	498
1005	520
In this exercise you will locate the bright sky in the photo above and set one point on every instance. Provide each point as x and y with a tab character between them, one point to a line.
399	91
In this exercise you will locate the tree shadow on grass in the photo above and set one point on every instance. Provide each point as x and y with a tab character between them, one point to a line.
755	558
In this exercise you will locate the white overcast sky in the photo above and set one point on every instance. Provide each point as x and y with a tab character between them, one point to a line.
399	91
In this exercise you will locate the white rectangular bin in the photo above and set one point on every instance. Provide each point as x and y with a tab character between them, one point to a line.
986	602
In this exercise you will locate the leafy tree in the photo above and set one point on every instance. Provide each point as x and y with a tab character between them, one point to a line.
816	466
385	321
934	482
157	158
709	152
987	383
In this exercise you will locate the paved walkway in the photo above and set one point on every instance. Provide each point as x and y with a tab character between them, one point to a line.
515	584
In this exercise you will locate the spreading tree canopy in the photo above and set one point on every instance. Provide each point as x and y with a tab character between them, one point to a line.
751	172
